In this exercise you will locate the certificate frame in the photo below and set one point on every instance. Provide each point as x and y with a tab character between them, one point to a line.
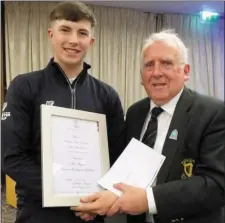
49	198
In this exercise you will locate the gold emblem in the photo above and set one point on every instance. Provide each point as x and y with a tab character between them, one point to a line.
188	168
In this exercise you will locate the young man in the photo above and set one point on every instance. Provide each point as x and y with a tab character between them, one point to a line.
65	82
185	126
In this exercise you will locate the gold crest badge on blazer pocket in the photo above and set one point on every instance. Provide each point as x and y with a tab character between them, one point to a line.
188	165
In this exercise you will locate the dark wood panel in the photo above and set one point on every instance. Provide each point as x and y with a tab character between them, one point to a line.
3	70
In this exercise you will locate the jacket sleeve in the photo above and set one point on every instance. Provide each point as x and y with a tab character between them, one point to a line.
16	137
115	126
203	192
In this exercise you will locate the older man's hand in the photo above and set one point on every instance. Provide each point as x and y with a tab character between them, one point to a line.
133	201
98	203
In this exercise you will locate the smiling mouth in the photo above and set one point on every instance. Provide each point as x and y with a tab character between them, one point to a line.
72	50
159	85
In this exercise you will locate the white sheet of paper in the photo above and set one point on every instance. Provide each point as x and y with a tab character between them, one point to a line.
74	150
138	166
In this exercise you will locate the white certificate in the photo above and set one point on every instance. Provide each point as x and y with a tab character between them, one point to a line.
74	154
138	166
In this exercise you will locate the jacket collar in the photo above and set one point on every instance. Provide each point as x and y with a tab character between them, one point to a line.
54	69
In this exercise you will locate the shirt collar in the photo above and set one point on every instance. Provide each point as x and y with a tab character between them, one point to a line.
170	106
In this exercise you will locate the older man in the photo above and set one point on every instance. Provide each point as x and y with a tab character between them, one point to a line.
185	126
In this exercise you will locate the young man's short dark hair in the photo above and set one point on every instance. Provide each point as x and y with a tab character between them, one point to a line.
72	11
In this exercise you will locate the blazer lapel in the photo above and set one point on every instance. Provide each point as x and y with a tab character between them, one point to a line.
175	135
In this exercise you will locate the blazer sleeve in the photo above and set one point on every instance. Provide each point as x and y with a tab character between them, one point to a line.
203	192
16	137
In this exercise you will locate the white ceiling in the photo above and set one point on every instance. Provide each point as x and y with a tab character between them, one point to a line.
181	7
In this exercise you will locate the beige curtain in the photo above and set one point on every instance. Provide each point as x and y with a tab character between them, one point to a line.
27	46
115	56
206	51
120	34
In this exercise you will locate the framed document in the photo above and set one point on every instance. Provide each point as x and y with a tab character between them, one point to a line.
74	154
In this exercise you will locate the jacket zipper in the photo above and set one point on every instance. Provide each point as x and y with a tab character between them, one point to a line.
74	93
72	90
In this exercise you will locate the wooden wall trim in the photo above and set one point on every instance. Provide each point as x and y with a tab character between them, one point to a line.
3	64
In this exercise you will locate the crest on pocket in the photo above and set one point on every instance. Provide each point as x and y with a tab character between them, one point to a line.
188	165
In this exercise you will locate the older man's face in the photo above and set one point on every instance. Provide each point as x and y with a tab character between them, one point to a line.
162	75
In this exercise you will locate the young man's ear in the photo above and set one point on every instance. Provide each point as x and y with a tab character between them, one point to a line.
50	33
92	41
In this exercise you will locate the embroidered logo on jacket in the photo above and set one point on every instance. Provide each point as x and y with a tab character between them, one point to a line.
50	103
5	115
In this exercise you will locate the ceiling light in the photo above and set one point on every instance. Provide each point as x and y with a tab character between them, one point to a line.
207	16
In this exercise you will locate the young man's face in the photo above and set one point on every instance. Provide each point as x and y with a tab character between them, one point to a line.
70	41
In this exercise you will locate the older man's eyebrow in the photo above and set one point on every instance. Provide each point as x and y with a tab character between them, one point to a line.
167	60
149	62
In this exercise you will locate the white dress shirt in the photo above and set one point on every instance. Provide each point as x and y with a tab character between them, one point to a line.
72	79
164	120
